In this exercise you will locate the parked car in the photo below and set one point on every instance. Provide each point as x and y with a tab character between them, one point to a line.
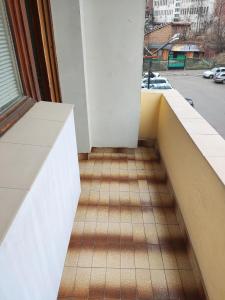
152	74
156	83
219	78
212	72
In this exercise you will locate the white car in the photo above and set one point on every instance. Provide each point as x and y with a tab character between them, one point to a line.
156	83
214	71
152	74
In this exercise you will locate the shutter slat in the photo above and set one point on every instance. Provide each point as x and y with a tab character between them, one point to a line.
9	85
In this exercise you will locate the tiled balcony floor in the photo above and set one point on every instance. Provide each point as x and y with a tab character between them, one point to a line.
126	242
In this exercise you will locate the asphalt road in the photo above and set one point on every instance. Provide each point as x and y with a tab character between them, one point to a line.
208	97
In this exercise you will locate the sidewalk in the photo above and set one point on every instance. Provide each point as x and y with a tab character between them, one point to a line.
182	73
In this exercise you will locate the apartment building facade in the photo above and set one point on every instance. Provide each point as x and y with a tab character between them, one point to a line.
198	12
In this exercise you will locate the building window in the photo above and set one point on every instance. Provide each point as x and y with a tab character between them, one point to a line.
10	84
19	88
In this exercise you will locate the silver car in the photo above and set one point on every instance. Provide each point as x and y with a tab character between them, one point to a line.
219	78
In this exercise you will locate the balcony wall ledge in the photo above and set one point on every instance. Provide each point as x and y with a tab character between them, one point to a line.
39	170
204	136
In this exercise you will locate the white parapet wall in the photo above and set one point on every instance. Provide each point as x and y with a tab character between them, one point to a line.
39	192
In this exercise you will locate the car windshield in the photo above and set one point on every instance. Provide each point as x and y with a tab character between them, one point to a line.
214	70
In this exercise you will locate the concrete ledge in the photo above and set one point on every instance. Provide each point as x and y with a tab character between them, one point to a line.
39	191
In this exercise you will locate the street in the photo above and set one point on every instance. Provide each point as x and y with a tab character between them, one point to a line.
208	97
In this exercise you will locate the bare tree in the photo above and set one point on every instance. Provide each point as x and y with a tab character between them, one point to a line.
218	30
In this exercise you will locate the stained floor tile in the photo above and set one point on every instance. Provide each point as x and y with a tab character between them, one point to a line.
126	243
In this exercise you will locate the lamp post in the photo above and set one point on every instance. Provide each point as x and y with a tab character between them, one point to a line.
174	38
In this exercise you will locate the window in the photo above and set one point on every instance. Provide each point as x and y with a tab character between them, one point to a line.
10	84
19	88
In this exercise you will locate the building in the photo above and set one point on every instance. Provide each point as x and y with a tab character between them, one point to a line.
162	33
197	12
149	8
105	192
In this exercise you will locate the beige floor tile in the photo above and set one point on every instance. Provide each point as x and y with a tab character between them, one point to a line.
152	187
133	186
159	214
67	282
91	213
135	199
77	231
103	198
124	198
85	185
145	198
124	186
159	285
171	216
131	164
104	185
144	285
94	197
100	256
114	186
81	213
112	287
128	284
97	283
141	257
102	213
86	256
163	234
123	175
114	198
142	175
84	197
137	216
148	216
126	233
125	214
89	232
156	199
189	285
113	256
127	258
115	164
95	185
151	234
123	165
114	213
139	234
82	282
155	257
72	255
183	261
143	186
139	164
169	259
174	284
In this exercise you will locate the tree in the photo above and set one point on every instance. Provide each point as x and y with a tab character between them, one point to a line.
218	27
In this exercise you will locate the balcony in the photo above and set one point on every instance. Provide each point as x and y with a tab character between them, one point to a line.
141	230
141	215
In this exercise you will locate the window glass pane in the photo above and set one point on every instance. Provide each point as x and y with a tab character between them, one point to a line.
10	86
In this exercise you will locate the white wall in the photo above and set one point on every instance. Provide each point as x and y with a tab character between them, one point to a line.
67	32
39	193
113	34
